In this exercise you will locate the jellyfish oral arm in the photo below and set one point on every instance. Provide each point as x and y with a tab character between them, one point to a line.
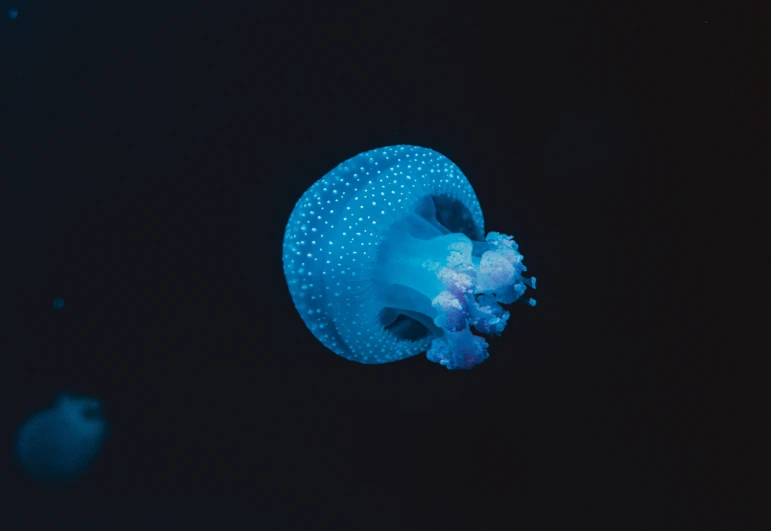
461	284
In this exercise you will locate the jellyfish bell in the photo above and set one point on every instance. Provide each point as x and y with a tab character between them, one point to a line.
385	257
56	446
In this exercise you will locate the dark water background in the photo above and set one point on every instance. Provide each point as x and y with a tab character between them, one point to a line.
153	154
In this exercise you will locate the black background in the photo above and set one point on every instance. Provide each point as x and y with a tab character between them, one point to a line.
155	153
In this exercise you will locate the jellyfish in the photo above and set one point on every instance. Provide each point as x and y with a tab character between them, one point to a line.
57	445
385	257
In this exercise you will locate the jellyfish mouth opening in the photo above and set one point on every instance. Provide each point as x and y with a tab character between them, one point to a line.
447	214
401	324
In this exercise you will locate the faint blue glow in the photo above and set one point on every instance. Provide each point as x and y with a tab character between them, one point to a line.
58	303
58	444
13	13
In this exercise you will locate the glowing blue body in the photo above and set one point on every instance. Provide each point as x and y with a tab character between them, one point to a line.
385	257
57	445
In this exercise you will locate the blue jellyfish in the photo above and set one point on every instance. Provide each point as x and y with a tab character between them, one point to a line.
385	257
13	13
55	446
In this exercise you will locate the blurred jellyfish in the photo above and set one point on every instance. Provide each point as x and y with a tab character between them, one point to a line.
13	13
58	303
55	446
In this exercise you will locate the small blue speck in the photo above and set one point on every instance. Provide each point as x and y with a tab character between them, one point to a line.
13	13
58	303
706	21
